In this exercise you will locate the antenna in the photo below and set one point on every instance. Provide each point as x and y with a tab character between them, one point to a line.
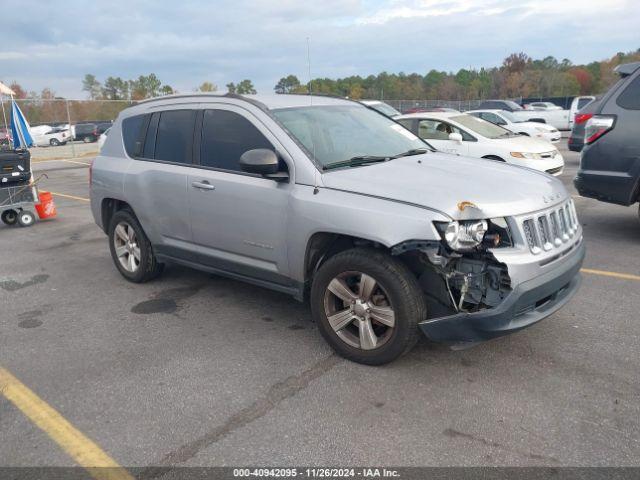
313	143
309	70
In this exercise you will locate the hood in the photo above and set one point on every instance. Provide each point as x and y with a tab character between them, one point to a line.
524	144
440	181
544	126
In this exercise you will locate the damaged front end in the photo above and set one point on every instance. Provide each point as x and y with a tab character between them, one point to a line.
467	279
470	295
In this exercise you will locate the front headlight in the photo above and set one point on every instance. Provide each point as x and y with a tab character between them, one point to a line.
465	235
530	156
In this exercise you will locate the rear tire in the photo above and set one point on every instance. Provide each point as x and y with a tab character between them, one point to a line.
131	250
10	217
372	325
54	142
87	140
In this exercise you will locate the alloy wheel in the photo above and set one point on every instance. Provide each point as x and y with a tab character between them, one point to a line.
126	247
359	310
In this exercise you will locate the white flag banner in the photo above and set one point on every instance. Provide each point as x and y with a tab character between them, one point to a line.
6	90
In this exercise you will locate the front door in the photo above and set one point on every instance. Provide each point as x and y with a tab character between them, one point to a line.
437	132
238	220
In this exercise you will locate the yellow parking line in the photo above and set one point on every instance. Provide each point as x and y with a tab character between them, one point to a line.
83	450
60	160
82	199
625	276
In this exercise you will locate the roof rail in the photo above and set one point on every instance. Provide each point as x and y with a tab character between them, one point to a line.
235	96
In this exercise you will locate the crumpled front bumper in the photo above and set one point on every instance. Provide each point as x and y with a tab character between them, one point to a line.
528	303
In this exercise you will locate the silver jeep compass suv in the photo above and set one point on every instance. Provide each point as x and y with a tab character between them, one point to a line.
328	200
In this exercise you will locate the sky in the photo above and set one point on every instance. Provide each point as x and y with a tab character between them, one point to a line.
187	42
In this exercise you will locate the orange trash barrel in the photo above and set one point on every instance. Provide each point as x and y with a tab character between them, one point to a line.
46	208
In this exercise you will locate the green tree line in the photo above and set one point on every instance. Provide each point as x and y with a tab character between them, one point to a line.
518	76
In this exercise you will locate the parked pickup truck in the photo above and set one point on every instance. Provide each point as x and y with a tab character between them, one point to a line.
560	119
335	204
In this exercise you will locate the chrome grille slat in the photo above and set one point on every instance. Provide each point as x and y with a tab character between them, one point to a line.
550	229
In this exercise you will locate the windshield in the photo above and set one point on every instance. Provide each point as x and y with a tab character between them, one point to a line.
385	109
338	133
510	117
481	127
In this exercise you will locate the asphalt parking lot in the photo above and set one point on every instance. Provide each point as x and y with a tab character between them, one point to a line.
198	370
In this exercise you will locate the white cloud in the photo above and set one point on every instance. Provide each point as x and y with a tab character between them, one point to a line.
188	42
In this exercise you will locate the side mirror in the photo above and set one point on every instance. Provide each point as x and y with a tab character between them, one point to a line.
456	137
262	161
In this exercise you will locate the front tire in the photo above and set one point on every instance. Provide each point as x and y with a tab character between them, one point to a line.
367	306
131	250
26	218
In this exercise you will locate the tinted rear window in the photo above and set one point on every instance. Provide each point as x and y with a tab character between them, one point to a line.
174	139
131	127
630	96
85	128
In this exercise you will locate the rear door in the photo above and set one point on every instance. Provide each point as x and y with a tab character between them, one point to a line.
156	181
238	219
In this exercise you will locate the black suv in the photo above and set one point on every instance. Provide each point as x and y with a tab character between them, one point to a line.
87	132
610	161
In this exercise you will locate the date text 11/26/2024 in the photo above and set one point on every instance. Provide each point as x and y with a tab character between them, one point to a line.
316	472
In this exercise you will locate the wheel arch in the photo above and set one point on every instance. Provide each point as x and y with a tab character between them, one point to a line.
323	245
109	207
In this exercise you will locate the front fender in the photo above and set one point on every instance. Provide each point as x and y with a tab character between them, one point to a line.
332	211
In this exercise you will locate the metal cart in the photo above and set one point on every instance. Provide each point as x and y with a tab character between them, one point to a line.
17	203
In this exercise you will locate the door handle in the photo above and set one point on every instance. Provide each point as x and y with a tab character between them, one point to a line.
204	185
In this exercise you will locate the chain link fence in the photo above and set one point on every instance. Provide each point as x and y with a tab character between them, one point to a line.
460	105
465	105
63	129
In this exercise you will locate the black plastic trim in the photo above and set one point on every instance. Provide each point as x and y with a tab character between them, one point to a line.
528	303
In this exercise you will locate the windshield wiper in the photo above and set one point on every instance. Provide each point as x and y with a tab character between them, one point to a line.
367	159
356	161
413	151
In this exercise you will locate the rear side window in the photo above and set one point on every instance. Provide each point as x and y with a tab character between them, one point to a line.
225	137
131	130
174	139
630	96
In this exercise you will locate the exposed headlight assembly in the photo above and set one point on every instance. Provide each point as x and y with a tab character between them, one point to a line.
464	236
